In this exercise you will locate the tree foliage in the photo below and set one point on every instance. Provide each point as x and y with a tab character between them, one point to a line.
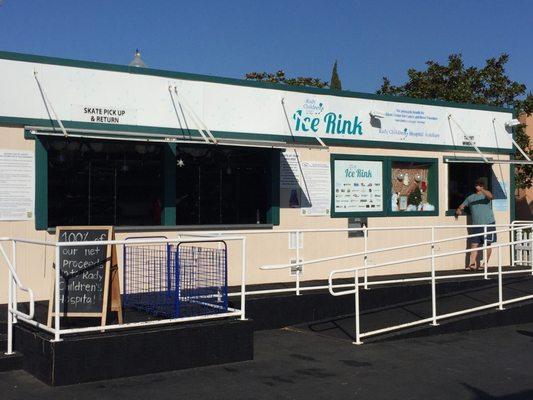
279	77
335	82
457	83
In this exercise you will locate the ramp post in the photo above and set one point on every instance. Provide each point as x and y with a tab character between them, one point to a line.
10	291
298	266
433	283
357	322
365	259
500	280
243	280
485	266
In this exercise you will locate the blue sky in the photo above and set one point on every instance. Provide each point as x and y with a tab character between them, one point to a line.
370	39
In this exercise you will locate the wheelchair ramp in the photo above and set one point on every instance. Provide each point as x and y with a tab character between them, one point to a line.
398	313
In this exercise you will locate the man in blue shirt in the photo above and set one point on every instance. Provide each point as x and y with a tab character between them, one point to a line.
480	205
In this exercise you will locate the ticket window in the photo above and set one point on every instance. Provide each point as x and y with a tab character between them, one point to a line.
462	178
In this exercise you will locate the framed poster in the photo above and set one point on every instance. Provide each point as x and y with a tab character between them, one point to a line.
357	186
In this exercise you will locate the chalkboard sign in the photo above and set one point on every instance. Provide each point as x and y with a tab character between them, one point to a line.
83	272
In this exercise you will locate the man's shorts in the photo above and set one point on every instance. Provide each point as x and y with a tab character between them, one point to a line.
491	237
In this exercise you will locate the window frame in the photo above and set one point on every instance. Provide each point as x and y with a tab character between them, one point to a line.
433	191
387	161
168	215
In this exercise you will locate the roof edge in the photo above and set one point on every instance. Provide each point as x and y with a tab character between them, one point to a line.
14	56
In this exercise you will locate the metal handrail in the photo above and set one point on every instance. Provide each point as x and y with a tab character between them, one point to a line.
383	249
412	259
57	331
12	309
435	317
15	277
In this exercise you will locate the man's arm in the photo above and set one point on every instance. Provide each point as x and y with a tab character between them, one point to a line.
460	209
487	194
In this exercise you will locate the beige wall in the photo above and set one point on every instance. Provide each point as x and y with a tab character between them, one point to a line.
34	263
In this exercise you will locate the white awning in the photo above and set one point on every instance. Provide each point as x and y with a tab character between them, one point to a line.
159	138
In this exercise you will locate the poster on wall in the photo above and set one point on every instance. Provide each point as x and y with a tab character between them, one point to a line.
289	169
500	202
316	186
358	186
17	180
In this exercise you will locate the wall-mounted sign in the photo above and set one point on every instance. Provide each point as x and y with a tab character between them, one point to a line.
500	190
122	98
357	187
116	115
17	183
289	169
316	185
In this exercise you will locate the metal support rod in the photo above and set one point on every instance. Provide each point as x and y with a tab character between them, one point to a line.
465	137
433	283
317	137
57	328
365	257
49	104
485	266
195	117
297	261
500	279
243	280
357	316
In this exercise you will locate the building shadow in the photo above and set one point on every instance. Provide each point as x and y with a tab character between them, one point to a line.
479	394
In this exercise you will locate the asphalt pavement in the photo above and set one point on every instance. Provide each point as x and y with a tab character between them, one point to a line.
494	363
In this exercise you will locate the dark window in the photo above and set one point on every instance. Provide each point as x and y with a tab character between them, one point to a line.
221	185
462	178
103	182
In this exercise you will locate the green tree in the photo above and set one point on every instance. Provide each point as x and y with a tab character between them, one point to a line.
335	82
487	85
279	77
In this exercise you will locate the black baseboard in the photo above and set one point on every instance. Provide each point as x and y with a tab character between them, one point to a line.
117	354
10	362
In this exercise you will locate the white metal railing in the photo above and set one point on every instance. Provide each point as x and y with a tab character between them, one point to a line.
14	315
522	253
433	278
299	235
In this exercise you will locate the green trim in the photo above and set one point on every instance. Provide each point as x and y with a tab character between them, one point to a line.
433	177
273	175
433	184
281	139
336	157
168	215
238	82
479	159
41	186
168	191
